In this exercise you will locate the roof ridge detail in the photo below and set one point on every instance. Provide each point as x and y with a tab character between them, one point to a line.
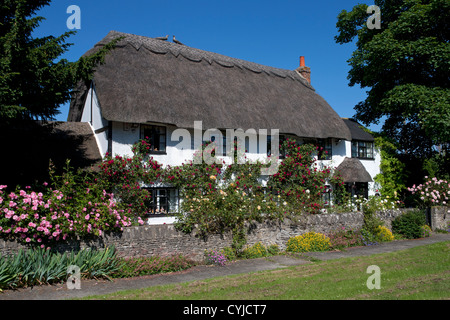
198	55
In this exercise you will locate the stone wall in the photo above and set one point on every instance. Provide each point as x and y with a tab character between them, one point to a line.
164	240
439	218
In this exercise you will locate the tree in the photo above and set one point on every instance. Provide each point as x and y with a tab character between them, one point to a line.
33	85
405	65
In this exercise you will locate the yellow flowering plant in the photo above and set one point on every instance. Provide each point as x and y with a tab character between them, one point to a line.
309	242
384	234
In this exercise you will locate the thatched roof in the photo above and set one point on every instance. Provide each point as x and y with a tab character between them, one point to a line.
150	80
352	170
357	131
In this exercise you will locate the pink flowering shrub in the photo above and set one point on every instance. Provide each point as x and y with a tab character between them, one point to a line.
75	208
434	192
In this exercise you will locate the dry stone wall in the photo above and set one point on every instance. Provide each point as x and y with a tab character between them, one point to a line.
165	240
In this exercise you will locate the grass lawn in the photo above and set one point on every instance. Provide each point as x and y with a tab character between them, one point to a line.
418	273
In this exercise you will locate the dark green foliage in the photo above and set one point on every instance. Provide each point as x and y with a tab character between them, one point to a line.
405	66
33	83
409	224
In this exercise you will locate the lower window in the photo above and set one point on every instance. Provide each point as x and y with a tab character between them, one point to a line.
164	201
359	189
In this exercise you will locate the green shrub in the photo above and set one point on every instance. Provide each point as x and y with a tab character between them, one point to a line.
258	250
426	231
229	253
368	238
342	238
307	242
409	224
134	267
273	250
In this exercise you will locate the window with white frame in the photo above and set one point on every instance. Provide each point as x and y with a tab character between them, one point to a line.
164	201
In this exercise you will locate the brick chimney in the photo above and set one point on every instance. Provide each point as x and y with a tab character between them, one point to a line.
303	70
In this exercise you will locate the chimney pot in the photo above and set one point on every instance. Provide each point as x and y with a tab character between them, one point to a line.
302	61
304	71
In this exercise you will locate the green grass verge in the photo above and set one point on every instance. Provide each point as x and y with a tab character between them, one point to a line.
417	273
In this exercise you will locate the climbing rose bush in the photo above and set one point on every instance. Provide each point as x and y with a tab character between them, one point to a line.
125	177
300	182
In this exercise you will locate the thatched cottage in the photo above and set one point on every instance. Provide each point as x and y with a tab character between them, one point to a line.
152	87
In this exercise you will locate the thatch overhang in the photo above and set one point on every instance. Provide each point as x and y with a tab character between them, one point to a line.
150	80
352	170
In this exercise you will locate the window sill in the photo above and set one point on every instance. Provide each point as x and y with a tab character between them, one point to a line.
158	152
160	215
360	158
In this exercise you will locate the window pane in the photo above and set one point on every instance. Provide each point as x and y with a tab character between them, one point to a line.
354	149
162	143
361	149
326	151
224	144
173	201
369	150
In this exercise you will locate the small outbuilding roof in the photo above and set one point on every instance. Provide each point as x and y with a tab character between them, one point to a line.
352	170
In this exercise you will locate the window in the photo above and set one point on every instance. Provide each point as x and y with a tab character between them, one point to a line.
326	196
163	201
282	152
156	135
358	189
325	149
362	149
224	144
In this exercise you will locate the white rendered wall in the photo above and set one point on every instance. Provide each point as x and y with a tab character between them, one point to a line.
181	151
93	115
176	152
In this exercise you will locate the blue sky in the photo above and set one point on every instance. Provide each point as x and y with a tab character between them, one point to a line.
273	33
